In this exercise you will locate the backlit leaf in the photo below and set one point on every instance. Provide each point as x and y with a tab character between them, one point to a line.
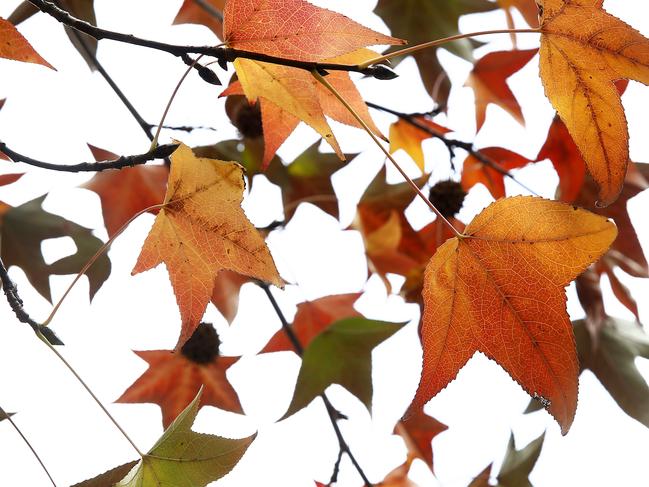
518	464
14	46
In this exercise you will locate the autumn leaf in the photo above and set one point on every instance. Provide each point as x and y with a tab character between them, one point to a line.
25	227
14	46
173	379
420	21
126	192
109	478
583	51
341	354
499	289
202	230
418	431
313	317
476	171
399	476
183	458
192	12
482	479
488	78
518	464
225	295
407	136
527	9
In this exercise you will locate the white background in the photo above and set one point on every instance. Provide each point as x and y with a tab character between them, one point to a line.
51	115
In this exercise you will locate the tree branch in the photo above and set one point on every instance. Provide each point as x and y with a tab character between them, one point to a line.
160	152
223	54
334	415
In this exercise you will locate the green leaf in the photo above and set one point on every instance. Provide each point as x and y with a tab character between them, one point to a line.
341	354
612	360
518	464
420	21
183	458
109	478
25	227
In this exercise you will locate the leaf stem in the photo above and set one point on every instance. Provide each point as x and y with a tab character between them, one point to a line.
331	411
445	40
410	182
38	458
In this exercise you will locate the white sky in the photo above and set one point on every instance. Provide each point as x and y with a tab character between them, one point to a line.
52	115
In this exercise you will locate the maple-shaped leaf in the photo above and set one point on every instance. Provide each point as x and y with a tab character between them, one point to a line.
488	78
407	136
499	289
247	152
418	431
612	358
287	95
421	21
311	318
14	46
192	12
527	8
475	171
25	227
518	464
173	379
307	180
201	230
583	51
295	29
225	295
183	458
108	478
125	192
341	354
482	479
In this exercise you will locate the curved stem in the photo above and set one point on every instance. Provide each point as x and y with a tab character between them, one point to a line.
93	259
410	182
11	421
92	394
445	40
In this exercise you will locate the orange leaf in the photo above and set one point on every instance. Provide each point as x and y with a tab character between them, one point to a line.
499	290
418	431
527	8
404	135
475	171
399	476
489	82
125	192
295	29
225	295
14	46
583	51
202	230
192	13
173	379
312	317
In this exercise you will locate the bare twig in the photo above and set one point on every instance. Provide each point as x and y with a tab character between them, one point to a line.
160	152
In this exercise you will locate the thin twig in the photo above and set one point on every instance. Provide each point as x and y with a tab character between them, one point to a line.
331	411
160	152
182	128
334	475
451	143
11	421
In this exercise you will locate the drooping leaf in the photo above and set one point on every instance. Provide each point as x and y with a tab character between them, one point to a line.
191	12
406	136
583	51
225	295
109	478
475	171
312	34
399	476
312	318
499	289
489	82
14	46
25	227
341	354
518	464
612	358
421	21
125	192
173	379
183	458
202	230
418	431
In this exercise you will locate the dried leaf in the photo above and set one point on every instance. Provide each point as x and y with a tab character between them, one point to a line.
404	135
14	46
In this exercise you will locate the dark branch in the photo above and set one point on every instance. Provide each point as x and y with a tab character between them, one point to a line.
334	415
223	54
183	128
160	152
11	292
450	143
